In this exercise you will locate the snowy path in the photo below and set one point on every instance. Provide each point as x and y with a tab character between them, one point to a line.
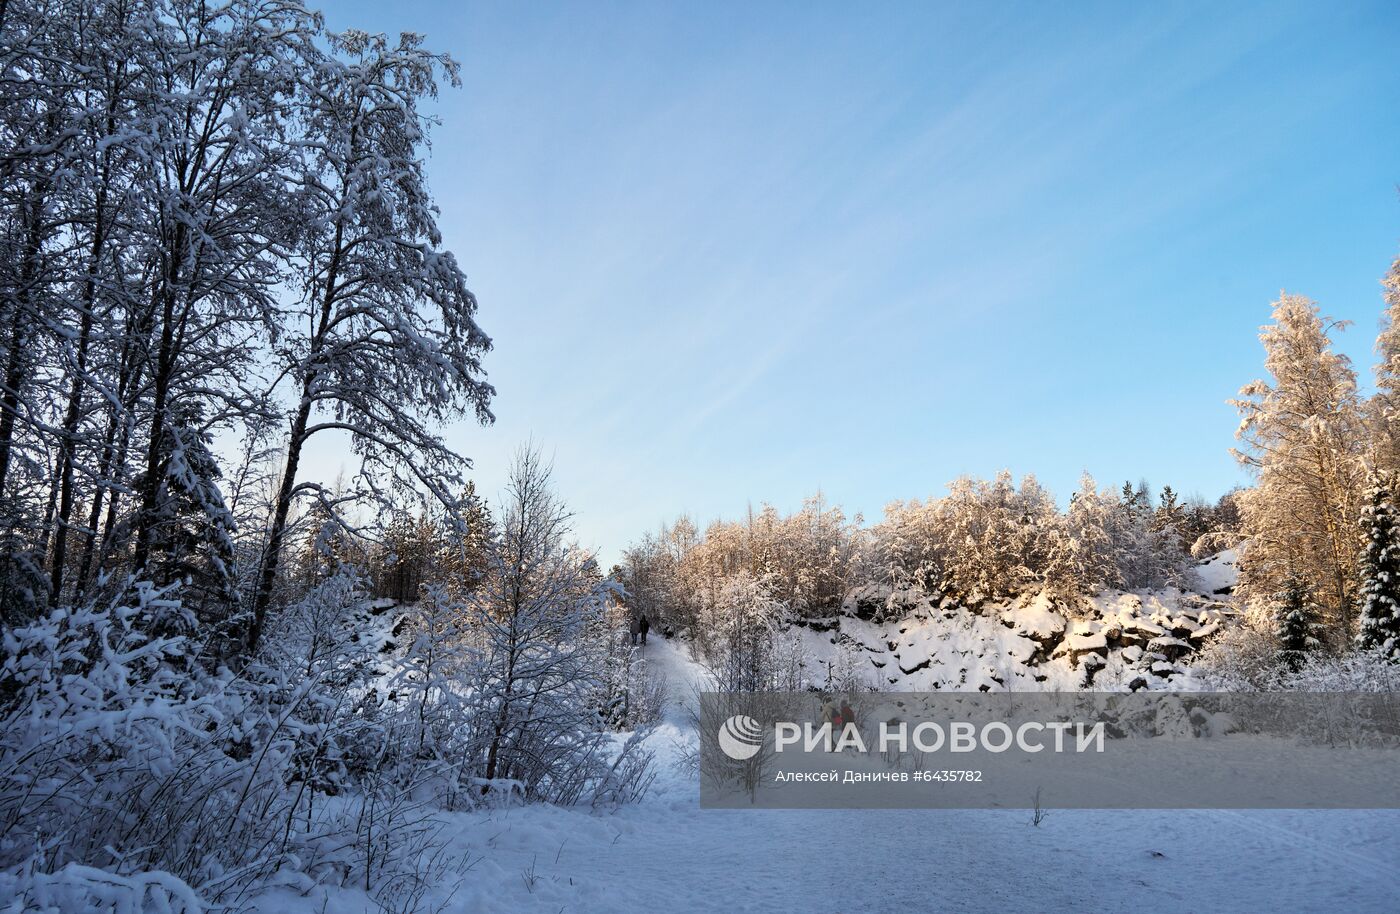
667	855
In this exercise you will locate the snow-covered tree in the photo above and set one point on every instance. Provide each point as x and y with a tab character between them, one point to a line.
219	79
628	695
1083	559
1137	499
1303	439
1297	623
382	341
39	132
192	532
1149	556
806	557
739	623
1170	511
534	699
995	539
1380	571
1384	408
1208	528
909	546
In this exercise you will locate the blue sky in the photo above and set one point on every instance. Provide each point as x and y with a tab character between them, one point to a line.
733	253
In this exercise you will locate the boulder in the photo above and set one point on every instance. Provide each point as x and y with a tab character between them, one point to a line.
1086	645
1205	631
1170	648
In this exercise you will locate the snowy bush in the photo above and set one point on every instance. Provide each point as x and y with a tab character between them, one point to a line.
79	889
116	756
1247	659
1352	671
738	636
629	695
119	757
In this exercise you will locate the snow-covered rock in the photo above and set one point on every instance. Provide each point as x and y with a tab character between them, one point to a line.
1035	618
913	640
1217	574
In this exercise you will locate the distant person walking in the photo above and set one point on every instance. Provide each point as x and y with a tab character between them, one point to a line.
644	626
847	718
636	629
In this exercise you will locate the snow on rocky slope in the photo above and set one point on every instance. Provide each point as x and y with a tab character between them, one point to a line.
904	640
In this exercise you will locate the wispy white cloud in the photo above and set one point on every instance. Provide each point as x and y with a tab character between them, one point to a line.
726	251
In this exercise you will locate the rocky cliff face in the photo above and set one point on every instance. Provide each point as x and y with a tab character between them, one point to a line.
909	640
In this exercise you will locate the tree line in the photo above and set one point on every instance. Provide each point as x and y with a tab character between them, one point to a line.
217	246
985	540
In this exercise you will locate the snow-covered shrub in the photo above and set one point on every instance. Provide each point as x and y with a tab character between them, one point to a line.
85	699
315	665
79	889
1352	671
537	729
440	661
737	638
1246	658
850	671
121	758
751	664
370	770
1241	658
118	755
628	775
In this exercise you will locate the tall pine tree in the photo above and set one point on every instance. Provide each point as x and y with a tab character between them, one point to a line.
1380	571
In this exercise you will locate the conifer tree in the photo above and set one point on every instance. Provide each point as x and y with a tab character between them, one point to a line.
1297	618
1380	572
1170	511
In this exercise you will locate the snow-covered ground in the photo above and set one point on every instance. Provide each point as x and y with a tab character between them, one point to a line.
666	854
